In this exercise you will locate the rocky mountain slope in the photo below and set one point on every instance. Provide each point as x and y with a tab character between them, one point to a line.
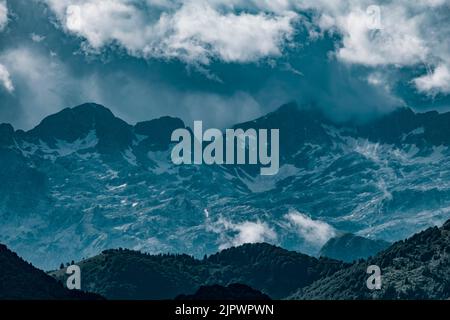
84	180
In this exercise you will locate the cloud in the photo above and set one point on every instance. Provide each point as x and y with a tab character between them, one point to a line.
199	31
37	38
407	33
252	232
398	43
42	85
202	32
236	234
434	82
193	42
5	79
194	31
3	14
387	35
315	232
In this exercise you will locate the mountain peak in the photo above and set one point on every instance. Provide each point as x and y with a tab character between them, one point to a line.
90	111
288	107
161	127
70	124
74	123
158	131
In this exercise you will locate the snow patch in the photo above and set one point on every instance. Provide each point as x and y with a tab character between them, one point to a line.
265	183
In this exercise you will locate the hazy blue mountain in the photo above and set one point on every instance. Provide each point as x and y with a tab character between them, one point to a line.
348	247
84	181
20	280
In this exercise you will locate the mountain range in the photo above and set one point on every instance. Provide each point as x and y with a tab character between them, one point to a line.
83	181
415	268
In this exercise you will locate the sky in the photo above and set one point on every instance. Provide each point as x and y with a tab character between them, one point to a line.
222	61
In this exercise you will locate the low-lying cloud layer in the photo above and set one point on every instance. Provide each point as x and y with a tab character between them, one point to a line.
436	81
315	232
310	235
235	234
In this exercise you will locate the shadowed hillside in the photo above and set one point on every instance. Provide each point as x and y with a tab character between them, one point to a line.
126	274
416	268
20	280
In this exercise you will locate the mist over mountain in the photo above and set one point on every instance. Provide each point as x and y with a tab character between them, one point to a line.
357	92
415	268
84	180
348	247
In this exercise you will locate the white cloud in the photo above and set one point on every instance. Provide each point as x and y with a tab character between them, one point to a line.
253	232
436	81
194	31
5	79
201	32
37	38
398	37
198	31
399	42
409	33
315	232
236	234
3	14
43	84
